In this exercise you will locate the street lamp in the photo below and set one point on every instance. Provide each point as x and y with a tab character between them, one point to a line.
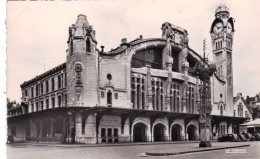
204	70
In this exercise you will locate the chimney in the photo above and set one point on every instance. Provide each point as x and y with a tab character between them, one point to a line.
102	48
141	37
123	41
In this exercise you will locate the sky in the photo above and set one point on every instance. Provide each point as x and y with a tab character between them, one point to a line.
37	32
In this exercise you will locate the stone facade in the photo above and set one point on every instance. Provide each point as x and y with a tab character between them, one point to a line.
144	90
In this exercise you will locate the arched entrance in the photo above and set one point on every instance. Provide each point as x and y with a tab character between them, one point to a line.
191	130
139	132
176	133
158	132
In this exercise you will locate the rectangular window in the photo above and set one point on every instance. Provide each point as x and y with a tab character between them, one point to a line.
102	94
59	81
65	79
47	86
32	93
26	93
52	84
41	88
32	107
53	102
116	95
59	101
47	103
37	106
41	108
37	90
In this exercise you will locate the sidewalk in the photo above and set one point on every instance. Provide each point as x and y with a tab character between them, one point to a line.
191	148
104	144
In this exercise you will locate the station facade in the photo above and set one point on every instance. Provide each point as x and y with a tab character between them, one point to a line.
142	91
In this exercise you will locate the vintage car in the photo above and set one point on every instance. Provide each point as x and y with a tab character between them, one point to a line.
228	137
249	136
242	137
257	136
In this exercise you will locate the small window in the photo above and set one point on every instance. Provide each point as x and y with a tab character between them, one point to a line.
102	94
116	95
59	81
32	93
53	102
47	86
26	93
37	90
52	84
88	45
59	101
41	88
37	106
47	103
41	108
109	97
65	79
32	107
109	77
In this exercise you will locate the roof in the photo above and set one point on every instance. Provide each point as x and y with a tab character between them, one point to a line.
43	75
235	99
252	123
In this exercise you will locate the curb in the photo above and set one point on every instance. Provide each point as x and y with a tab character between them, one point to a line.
193	151
109	145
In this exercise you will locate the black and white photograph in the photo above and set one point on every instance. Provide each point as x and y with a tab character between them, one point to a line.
110	79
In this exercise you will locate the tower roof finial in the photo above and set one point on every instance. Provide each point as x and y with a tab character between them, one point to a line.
82	21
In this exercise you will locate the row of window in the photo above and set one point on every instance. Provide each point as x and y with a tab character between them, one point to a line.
88	46
218	45
138	96
109	96
229	46
39	88
48	103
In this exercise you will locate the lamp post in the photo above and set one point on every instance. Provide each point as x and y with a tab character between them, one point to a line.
204	70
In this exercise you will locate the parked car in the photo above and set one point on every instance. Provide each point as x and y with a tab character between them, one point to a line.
228	137
242	137
257	136
249	136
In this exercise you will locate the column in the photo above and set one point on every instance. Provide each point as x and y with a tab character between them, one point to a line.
149	93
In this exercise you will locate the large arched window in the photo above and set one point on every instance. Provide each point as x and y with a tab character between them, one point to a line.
152	57
88	45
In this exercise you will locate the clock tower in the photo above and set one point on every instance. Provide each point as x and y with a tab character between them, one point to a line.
222	31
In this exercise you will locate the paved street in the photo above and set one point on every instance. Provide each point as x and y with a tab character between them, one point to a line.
25	151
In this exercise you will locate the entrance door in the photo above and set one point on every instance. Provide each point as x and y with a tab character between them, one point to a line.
158	132
176	133
139	133
191	132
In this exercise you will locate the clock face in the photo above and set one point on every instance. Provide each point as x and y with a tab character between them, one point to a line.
218	27
229	27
